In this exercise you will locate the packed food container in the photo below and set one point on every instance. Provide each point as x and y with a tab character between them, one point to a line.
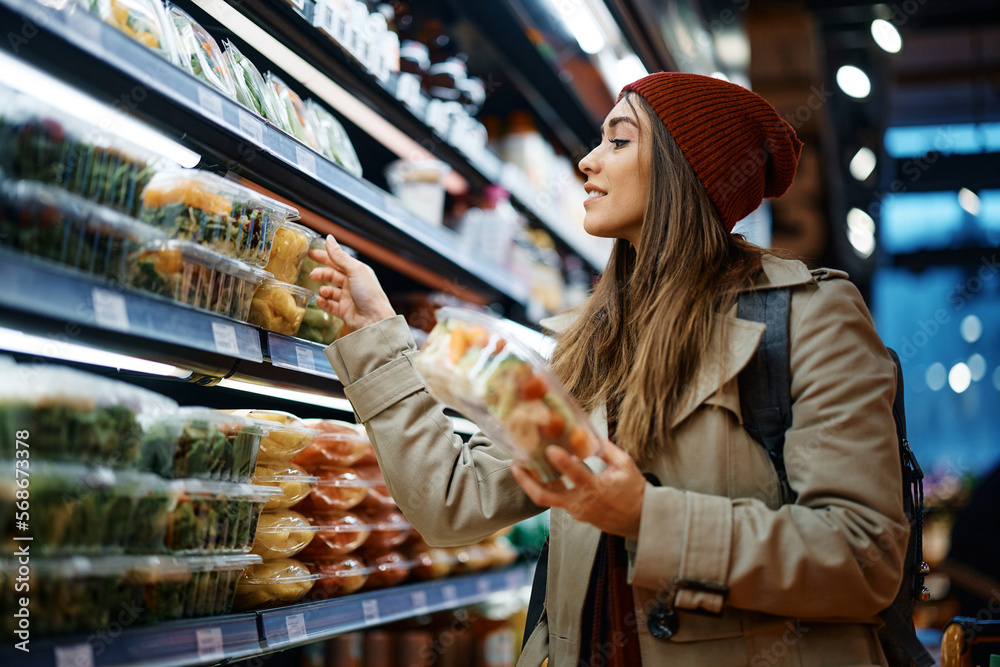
388	530
272	584
308	264
215	517
294	118
202	443
333	140
74	416
39	143
337	445
338	576
291	480
251	89
198	206
473	363
213	584
286	436
145	21
83	510
389	568
279	307
431	562
200	53
419	184
288	250
282	534
339	534
196	276
338	489
48	222
318	325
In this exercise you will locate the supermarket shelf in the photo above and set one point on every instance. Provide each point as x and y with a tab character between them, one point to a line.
298	355
481	167
73	44
220	639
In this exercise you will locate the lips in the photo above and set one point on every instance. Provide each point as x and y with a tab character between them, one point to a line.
593	190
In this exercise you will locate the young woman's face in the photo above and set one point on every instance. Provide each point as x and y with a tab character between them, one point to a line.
618	176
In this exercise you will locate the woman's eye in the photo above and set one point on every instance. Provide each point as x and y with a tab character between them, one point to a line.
619	142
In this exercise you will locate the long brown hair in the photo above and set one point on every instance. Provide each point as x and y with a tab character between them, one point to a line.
645	329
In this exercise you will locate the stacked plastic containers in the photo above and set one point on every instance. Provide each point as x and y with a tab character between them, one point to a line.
106	529
317	324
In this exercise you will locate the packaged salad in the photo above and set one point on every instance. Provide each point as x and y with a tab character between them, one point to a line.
279	307
201	443
145	21
286	436
215	517
39	143
213	584
200	53
75	416
191	274
46	221
273	583
288	250
282	534
251	89
473	363
333	140
209	210
294	118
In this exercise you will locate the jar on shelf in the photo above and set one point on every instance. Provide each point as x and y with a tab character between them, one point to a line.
444	78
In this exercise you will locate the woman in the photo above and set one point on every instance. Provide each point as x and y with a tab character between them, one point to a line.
675	549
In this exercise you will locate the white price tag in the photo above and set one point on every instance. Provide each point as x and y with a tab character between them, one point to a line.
483	585
209	644
75	655
296	624
109	309
304	357
370	610
419	600
225	339
306	160
210	102
449	593
251	126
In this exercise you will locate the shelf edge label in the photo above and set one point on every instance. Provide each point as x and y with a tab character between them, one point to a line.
370	610
449	592
304	358
209	644
210	103
483	585
251	126
110	310
74	655
296	626
305	160
419	600
225	339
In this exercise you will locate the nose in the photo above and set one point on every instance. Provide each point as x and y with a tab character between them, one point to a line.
589	164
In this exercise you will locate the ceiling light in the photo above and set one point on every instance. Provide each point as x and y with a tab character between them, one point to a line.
969	201
580	21
861	232
971	328
863	163
886	36
733	48
854	81
959	377
721	76
935	376
39	346
977	367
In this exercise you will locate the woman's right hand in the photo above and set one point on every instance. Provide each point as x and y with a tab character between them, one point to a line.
355	295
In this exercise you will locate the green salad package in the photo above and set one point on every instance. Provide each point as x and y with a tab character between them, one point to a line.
145	21
215	517
333	140
71	415
294	118
251	89
200	53
475	363
46	221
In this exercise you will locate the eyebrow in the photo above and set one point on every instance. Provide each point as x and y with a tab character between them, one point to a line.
619	119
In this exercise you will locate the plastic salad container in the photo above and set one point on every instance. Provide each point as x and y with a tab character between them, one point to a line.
333	140
38	143
48	222
289	248
273	583
153	499
473	363
213	586
279	307
338	444
338	576
191	274
286	436
212	211
294	119
82	510
200	53
202	443
215	517
291	480
338	489
282	534
145	21
339	534
251	89
71	415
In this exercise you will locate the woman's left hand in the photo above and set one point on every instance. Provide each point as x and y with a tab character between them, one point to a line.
610	501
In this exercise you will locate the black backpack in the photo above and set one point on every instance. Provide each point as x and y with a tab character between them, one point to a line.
765	402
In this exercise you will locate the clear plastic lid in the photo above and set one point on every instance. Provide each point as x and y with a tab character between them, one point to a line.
282	534
200	54
285	571
198	254
287	435
279	307
294	118
476	364
293	482
221	420
273	583
251	89
46	385
145	21
278	522
206	488
218	563
209	192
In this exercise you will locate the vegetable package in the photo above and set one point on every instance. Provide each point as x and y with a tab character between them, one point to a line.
251	89
213	585
145	21
191	274
201	443
215	517
294	117
333	140
200	53
46	221
475	364
75	416
39	143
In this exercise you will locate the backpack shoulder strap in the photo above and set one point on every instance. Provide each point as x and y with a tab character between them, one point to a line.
765	393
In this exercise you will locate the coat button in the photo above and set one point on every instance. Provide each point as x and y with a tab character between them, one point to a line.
662	622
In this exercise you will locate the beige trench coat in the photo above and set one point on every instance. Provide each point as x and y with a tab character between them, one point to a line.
797	584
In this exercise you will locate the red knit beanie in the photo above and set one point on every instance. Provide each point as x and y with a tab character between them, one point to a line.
739	147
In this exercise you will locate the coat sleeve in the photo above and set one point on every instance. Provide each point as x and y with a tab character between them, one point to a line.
838	550
453	493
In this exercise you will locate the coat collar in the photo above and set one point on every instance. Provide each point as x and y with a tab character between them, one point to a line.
733	340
